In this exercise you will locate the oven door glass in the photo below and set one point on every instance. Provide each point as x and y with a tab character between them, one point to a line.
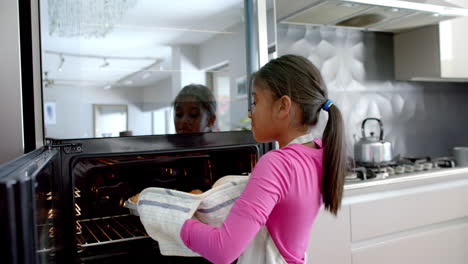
30	194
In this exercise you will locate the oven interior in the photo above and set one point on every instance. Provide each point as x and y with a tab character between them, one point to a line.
105	231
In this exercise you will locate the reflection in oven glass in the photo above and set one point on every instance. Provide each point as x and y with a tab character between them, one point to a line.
45	215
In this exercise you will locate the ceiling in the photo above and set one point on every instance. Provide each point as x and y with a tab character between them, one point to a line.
147	30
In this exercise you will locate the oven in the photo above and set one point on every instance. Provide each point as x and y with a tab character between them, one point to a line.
64	203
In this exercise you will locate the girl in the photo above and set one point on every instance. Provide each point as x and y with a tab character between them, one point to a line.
286	187
195	109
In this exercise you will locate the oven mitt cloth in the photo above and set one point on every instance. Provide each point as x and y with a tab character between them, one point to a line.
164	211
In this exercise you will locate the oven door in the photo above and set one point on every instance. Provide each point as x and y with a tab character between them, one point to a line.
8	211
28	207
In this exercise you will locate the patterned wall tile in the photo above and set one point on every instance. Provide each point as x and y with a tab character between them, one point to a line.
420	118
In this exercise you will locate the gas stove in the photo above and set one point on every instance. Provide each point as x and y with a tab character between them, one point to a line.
363	172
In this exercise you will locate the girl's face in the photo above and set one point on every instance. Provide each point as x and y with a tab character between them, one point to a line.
190	117
262	115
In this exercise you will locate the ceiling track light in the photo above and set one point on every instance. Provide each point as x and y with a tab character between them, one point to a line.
146	75
62	60
104	65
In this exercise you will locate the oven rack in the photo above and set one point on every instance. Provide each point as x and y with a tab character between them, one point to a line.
110	229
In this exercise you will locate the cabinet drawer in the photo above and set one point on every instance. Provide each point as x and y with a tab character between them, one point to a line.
390	212
443	245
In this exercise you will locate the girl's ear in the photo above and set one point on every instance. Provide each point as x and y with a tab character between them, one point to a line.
211	121
284	106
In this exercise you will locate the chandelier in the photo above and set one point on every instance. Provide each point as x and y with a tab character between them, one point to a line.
87	18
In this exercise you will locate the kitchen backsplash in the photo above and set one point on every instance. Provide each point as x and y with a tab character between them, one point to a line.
420	118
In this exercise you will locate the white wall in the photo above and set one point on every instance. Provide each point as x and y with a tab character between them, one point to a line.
185	58
158	95
139	122
231	48
11	138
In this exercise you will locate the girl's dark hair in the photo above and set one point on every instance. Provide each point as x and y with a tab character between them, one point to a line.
201	93
298	78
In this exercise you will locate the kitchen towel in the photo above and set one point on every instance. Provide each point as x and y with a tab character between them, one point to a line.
163	212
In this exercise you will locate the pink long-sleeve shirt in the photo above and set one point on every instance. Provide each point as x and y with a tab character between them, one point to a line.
283	193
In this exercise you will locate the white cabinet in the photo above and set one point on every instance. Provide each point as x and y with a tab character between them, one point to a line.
330	241
407	209
422	224
425	222
433	53
444	245
453	40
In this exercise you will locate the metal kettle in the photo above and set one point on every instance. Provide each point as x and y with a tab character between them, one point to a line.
372	150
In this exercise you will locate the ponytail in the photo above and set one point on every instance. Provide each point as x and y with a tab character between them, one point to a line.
334	161
297	77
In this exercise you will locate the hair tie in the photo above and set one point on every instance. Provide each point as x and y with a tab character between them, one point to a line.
327	105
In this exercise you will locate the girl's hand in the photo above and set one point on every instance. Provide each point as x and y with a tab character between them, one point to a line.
196	191
134	199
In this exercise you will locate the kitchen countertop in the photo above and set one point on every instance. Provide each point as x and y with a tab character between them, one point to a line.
409	178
